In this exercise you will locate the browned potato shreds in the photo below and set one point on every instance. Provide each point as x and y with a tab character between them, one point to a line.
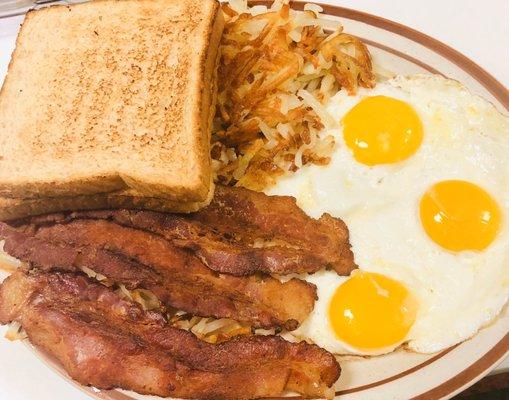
278	67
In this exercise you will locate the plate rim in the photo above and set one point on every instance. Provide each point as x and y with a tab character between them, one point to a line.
488	81
484	364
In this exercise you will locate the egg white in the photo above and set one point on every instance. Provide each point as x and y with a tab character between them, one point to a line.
466	138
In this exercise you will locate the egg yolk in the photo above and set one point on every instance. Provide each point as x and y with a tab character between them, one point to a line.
372	311
382	130
459	215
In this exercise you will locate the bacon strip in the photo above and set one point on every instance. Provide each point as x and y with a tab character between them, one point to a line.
107	342
242	232
139	259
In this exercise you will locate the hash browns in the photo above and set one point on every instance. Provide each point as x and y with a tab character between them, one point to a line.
278	66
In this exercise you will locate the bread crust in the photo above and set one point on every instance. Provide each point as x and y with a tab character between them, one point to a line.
11	208
182	173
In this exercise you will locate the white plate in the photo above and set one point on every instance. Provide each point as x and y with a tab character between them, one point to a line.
403	375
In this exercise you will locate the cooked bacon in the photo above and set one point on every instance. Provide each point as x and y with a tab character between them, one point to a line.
140	259
104	341
242	232
289	240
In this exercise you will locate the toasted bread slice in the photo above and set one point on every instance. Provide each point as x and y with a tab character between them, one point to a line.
11	208
111	95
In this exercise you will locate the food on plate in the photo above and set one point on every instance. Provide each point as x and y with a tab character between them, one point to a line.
241	232
176	256
140	260
277	67
122	97
428	229
105	341
212	264
231	298
163	259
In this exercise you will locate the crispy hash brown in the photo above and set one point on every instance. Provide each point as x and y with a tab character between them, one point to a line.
278	66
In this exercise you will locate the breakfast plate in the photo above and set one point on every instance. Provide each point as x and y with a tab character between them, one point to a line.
402	374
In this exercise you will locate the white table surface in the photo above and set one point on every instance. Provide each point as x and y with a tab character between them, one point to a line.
478	29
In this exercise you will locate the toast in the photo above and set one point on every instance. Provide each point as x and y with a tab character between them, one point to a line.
109	95
11	208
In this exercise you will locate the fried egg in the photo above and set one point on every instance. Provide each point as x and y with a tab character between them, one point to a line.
420	175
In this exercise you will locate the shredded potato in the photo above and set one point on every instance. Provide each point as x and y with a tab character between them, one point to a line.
219	330
278	67
15	332
209	329
145	298
7	262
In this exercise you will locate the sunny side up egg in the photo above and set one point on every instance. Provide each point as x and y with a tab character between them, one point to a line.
422	181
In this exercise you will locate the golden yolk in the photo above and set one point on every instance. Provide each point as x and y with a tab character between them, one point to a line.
371	311
382	130
459	215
